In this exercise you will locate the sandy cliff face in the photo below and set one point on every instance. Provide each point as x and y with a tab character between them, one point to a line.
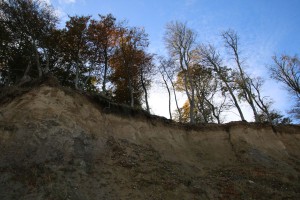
58	144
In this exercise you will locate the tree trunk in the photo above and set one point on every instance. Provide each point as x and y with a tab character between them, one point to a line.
146	93
176	102
105	71
27	69
131	94
131	89
231	93
77	76
47	62
90	72
192	106
77	69
251	103
212	107
231	39
190	98
25	77
38	65
260	102
175	96
200	104
190	81
248	94
169	94
235	101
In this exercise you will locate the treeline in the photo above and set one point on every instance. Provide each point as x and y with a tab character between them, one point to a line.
86	54
108	56
213	86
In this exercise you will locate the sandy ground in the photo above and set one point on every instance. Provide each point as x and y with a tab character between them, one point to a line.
58	144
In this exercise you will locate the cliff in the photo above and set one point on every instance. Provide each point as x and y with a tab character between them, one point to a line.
56	143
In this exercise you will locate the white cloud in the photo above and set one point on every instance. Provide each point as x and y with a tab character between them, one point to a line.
67	1
159	100
60	13
62	16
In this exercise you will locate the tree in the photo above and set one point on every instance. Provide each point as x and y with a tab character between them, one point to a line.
263	103
74	46
129	56
208	106
207	87
146	71
27	26
266	113
165	80
82	54
211	58
202	112
180	42
102	36
243	80
286	69
167	70
185	113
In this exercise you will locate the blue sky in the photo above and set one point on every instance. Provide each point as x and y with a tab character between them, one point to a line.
265	27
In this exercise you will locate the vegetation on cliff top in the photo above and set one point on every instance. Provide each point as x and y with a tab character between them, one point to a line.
107	56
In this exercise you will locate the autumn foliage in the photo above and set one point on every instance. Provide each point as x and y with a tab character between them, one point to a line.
103	55
100	55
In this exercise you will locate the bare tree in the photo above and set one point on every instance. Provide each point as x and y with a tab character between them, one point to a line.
286	69
211	58
207	88
262	102
266	113
162	72
167	69
208	106
180	41
218	109
231	41
202	80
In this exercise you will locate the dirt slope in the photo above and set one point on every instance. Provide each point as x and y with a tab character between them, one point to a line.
58	144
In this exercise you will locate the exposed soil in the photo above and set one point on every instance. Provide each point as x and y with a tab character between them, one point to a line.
56	143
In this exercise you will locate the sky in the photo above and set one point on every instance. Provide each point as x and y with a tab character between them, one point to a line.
265	28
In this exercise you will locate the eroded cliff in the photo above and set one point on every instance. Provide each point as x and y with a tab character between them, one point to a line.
56	143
